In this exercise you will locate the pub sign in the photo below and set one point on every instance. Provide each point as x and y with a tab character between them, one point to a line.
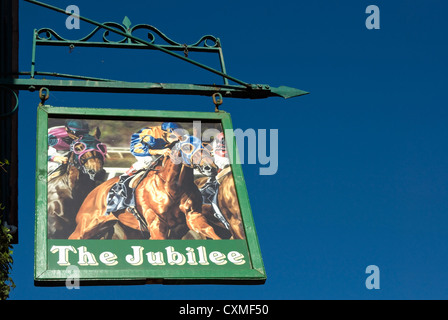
141	196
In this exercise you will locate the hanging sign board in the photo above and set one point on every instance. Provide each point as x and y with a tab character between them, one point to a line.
141	196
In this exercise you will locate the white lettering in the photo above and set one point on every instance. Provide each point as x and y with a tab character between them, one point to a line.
202	256
217	258
136	259
156	259
86	258
196	310
108	258
191	257
236	258
63	254
174	257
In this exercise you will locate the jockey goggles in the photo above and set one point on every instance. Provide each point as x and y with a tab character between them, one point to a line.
174	136
192	150
79	148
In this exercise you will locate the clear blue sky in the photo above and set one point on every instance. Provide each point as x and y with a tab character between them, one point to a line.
362	176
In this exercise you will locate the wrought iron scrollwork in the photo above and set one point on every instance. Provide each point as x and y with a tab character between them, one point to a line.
47	34
207	41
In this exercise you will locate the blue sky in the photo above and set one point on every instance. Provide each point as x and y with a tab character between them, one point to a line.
362	176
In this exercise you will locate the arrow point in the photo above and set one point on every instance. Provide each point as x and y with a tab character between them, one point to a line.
288	92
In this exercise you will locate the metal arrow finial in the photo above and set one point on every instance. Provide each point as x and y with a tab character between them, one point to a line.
288	92
126	22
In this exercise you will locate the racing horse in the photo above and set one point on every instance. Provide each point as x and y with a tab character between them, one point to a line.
220	204
229	205
224	202
166	198
72	182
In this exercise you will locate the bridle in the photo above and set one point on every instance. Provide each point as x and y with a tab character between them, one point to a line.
83	145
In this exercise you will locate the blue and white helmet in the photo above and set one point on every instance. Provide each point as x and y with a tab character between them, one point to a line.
189	145
169	126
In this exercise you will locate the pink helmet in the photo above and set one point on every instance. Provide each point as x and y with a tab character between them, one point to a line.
220	145
56	138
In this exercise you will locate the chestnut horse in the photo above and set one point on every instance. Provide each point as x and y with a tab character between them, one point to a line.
72	182
166	199
227	202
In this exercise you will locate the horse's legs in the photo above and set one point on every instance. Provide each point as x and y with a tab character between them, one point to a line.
228	203
237	228
87	227
91	213
197	222
158	229
80	227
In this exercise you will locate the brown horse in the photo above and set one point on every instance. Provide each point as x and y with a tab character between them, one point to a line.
228	205
166	200
71	183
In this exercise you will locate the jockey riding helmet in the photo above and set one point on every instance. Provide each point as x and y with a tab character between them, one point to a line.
76	127
169	126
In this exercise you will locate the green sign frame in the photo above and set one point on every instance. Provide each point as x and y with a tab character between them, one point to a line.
137	261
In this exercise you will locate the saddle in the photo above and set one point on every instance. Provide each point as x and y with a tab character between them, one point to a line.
121	194
221	174
135	180
121	197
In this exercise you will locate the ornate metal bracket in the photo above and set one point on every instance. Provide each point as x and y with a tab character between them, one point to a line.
201	45
208	43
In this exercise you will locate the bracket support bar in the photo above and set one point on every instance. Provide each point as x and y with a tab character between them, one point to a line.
228	91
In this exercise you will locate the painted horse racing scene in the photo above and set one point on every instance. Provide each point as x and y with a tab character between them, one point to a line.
140	180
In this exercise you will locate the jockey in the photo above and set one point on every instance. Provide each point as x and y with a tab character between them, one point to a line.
149	142
220	154
210	189
59	140
147	145
220	158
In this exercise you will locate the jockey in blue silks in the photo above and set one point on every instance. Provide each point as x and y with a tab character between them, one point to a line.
147	145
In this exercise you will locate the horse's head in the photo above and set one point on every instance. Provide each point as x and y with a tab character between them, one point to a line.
89	154
193	154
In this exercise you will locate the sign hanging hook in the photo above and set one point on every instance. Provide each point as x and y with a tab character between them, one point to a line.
217	100
43	96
